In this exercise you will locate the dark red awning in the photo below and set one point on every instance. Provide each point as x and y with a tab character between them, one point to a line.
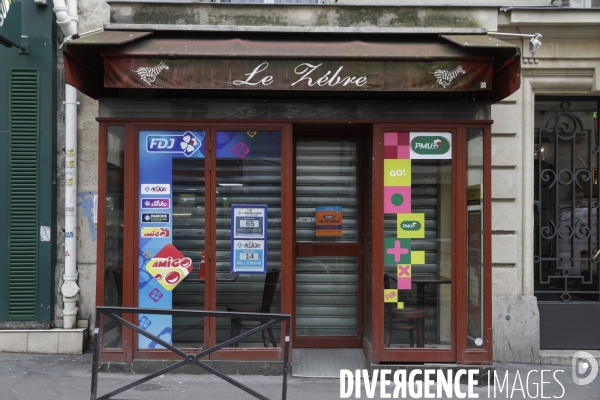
452	63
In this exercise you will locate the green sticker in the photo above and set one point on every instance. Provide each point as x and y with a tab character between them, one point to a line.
410	225
430	145
397	199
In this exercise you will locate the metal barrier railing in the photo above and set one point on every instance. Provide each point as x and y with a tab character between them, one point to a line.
188	359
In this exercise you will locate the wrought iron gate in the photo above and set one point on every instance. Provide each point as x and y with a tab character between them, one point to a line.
567	250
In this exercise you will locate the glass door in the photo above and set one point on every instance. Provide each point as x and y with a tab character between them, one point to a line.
328	242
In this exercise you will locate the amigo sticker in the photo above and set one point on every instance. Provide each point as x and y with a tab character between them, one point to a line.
156	232
169	267
430	145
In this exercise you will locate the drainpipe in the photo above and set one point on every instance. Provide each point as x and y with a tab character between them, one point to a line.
66	18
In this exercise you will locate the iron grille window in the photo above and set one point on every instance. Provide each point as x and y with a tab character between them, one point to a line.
567	153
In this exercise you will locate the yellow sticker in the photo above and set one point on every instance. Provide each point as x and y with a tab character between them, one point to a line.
411	226
397	173
390	295
417	257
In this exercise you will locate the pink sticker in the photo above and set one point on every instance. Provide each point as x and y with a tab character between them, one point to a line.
396	145
396	199
240	150
404	283
155	295
390	138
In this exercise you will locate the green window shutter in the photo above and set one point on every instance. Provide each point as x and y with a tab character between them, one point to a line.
23	186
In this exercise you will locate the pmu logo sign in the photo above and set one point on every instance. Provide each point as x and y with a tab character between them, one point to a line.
186	144
410	225
430	145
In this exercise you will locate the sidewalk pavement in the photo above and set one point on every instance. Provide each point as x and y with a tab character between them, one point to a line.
68	377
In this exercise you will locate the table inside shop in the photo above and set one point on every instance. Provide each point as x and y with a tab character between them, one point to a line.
420	280
221	278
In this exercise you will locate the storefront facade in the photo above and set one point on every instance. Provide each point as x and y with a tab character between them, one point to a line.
346	181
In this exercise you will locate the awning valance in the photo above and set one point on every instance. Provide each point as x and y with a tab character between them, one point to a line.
465	63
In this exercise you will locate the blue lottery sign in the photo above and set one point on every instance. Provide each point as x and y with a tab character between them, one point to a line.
249	255
248	238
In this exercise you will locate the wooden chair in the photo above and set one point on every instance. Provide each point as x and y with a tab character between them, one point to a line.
271	280
409	319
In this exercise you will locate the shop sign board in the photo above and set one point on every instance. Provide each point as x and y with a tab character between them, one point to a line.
249	238
295	74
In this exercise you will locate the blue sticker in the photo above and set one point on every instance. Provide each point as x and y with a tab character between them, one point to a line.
186	144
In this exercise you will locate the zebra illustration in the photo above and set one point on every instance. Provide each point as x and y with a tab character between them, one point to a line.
445	78
149	75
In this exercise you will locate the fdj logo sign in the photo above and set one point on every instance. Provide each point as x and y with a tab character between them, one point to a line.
410	225
186	144
430	145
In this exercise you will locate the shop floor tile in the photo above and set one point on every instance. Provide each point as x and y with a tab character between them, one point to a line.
326	363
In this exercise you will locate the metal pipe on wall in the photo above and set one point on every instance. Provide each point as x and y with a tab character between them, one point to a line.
66	17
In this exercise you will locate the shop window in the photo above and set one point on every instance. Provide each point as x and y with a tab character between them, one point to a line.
475	217
418	210
248	173
113	242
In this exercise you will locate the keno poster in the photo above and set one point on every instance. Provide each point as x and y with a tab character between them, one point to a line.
248	238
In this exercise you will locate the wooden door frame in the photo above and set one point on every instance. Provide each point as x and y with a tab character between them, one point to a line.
458	351
129	349
335	132
374	347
